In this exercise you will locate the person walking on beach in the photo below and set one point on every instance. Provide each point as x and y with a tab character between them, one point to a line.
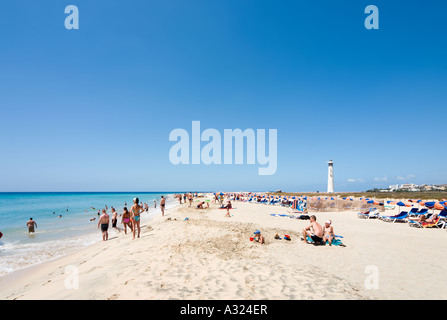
136	210
190	199
162	205
228	207
31	224
104	222
125	220
314	231
115	219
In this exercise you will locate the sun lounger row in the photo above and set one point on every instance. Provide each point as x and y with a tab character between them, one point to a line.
415	218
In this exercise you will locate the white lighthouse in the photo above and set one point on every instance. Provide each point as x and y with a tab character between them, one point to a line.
330	177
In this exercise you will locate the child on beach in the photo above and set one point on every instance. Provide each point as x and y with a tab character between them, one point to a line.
328	232
228	207
104	222
258	237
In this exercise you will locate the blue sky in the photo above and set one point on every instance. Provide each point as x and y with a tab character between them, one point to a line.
92	109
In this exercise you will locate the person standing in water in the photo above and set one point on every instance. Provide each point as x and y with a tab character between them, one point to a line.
155	204
162	205
136	210
31	224
104	222
115	219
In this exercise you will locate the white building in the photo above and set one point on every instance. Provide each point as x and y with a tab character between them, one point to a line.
409	187
393	187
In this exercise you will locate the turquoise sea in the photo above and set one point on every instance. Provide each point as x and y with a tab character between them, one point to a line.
56	236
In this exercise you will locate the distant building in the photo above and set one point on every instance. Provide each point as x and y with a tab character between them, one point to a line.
409	187
393	187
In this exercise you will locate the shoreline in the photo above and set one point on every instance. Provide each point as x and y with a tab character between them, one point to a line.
210	256
74	243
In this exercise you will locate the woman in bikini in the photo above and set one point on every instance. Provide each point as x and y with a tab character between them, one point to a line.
136	210
126	220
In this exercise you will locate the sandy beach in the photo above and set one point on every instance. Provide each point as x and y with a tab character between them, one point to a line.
210	256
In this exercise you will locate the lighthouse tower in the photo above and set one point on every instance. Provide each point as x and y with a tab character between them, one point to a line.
330	177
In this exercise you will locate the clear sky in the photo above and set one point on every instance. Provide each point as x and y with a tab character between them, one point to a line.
92	109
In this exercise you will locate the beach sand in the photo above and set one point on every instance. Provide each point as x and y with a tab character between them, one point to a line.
210	256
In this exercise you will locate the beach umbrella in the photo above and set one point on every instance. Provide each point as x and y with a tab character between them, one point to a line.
430	204
401	204
439	206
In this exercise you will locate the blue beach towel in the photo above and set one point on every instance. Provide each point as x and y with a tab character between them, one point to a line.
335	242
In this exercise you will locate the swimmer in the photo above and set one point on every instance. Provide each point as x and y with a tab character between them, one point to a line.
31	224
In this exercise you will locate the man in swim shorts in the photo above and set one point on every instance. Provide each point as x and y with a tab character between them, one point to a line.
314	231
31	224
104	222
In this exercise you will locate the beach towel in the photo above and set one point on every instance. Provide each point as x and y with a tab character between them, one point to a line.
335	242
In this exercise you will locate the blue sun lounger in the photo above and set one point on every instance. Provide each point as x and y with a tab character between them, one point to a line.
400	217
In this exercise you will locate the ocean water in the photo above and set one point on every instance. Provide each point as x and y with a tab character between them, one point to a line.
56	236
